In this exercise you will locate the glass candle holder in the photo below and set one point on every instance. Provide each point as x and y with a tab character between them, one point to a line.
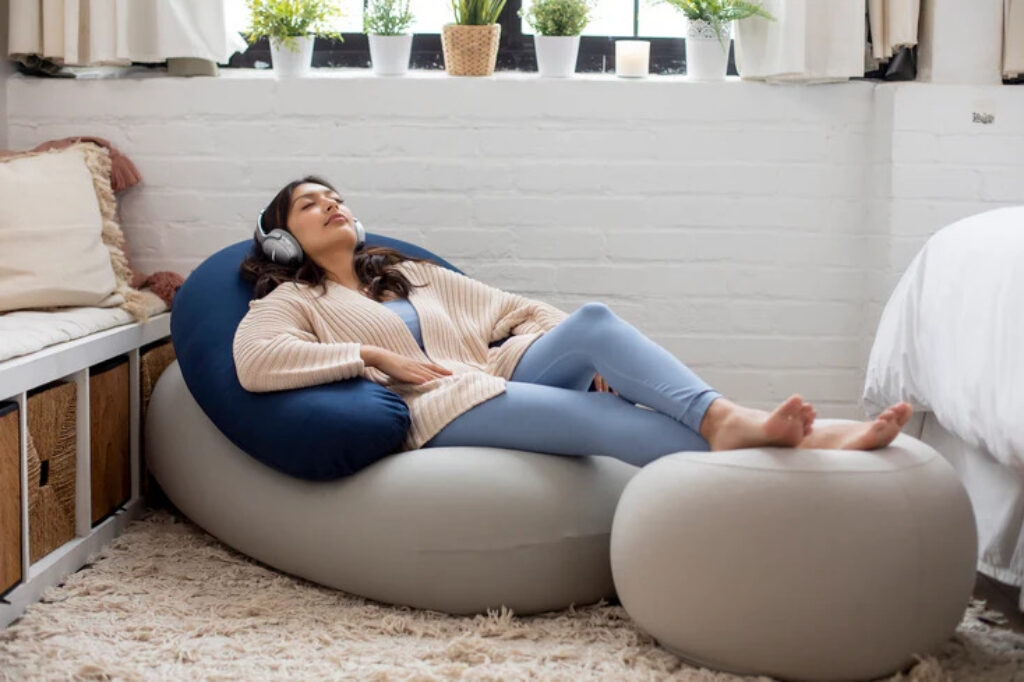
632	58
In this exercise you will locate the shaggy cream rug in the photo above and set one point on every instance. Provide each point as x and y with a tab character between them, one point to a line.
166	600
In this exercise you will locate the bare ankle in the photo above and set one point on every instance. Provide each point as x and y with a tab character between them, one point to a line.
717	411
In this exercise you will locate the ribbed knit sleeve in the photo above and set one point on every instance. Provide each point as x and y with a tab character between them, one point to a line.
505	312
275	348
521	315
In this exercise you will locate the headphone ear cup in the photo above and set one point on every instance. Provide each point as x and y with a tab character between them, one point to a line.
283	248
360	236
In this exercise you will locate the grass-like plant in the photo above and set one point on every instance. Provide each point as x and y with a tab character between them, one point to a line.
285	20
558	17
387	17
477	12
718	12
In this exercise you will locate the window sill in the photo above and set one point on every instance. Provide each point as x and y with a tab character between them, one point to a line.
362	73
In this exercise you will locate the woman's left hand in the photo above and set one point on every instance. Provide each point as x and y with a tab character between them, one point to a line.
602	385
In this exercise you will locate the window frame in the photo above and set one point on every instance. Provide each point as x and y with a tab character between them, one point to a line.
515	50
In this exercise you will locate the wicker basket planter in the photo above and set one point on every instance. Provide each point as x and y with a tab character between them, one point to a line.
470	50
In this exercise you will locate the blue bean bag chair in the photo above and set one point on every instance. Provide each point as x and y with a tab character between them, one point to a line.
315	433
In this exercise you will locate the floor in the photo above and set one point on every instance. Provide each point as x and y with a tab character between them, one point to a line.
1002	598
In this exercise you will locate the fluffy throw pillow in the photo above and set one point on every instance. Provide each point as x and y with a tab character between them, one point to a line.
60	244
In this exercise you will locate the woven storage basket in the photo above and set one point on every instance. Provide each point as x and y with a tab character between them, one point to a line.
153	360
110	436
51	413
470	50
10	497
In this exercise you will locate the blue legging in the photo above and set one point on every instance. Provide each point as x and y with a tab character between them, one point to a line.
546	406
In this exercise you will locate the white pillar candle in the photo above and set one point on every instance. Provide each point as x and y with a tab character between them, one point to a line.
632	58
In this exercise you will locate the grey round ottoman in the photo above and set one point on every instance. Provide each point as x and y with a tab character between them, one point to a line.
457	529
798	564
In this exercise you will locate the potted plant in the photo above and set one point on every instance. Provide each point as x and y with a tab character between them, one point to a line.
707	35
557	25
385	24
291	27
470	45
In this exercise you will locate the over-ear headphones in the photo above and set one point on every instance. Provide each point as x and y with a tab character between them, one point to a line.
280	246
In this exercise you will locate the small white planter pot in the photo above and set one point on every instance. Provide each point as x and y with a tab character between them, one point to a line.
389	55
706	58
556	55
289	64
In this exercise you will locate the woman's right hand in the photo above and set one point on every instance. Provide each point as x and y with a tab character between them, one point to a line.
406	370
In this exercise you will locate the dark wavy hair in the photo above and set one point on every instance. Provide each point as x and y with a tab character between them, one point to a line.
374	265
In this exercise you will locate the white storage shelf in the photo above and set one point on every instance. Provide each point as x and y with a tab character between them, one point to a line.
70	361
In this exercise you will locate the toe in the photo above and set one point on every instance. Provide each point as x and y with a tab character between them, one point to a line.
792	406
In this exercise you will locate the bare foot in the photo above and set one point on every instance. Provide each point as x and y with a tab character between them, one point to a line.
729	426
863	435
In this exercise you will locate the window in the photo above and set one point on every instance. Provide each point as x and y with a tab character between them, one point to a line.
662	24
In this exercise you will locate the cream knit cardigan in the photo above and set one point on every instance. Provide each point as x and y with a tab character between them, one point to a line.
291	339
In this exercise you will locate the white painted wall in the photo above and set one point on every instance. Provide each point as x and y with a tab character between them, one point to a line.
751	229
5	71
936	160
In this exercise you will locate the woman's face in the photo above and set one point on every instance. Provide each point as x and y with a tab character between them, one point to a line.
319	219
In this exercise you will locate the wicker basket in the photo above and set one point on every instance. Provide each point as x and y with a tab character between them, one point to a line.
51	416
10	497
110	436
153	360
470	50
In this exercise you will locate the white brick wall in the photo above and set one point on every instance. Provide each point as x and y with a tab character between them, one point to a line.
753	230
5	70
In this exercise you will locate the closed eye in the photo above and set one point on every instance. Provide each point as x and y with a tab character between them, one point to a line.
338	200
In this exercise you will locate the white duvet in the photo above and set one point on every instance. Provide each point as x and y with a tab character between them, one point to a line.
951	337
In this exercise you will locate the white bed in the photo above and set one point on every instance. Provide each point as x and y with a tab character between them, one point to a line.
951	343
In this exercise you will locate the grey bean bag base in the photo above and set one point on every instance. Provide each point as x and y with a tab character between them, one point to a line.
454	529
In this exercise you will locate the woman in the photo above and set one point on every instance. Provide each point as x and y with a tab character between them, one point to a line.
348	311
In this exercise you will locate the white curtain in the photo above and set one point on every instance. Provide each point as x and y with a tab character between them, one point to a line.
810	41
1013	38
893	25
87	32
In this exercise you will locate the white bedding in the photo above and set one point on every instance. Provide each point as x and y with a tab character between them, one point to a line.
951	337
997	498
26	331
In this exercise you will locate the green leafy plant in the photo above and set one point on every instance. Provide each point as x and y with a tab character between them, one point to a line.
558	17
387	17
718	12
285	20
477	12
